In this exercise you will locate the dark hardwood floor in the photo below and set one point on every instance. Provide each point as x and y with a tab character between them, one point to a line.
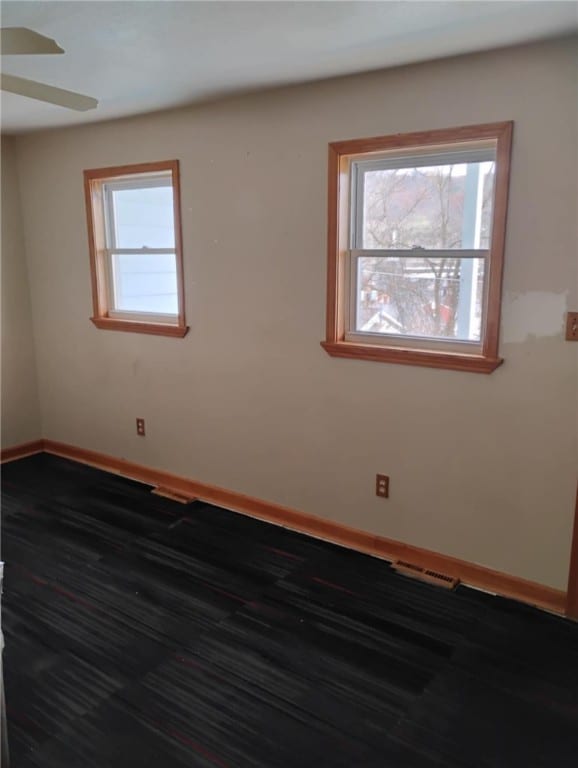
141	632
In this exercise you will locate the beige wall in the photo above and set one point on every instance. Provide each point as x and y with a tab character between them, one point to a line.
19	396
482	467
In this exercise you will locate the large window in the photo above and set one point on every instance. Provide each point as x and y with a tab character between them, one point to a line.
416	242
135	248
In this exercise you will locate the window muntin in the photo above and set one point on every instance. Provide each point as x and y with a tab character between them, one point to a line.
416	235
134	233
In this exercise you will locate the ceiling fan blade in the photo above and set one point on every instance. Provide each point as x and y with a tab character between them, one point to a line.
19	40
49	93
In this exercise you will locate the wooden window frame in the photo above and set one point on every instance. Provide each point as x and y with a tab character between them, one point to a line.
94	180
341	156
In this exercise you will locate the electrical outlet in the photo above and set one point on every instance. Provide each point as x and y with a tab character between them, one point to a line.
140	427
382	486
572	326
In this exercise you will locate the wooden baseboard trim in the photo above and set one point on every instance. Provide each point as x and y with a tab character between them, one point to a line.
468	573
20	451
572	604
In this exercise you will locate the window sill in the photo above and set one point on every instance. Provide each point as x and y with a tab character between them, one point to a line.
135	326
404	356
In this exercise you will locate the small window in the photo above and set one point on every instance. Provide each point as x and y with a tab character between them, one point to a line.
135	248
416	242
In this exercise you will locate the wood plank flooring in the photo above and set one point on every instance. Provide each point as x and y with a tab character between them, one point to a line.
143	632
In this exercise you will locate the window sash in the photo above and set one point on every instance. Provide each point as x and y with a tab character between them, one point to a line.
411	340
126	314
163	179
396	161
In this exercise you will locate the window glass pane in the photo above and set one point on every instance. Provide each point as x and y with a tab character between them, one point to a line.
442	207
144	217
438	298
145	283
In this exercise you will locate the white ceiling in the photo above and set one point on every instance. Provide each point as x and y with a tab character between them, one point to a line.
143	56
